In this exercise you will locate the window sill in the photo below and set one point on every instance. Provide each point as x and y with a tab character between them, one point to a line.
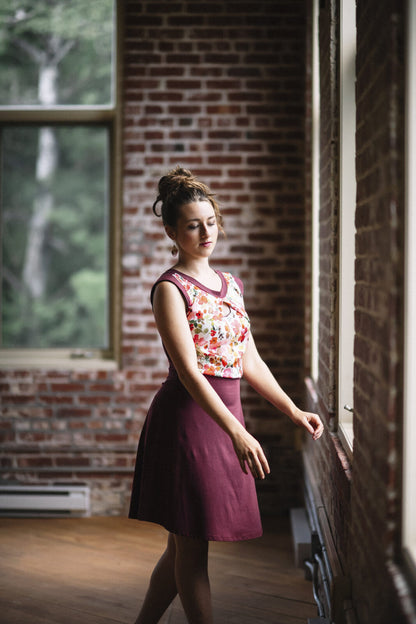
403	574
346	436
339	438
27	359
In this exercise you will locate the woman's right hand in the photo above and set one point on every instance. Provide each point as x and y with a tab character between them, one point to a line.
250	454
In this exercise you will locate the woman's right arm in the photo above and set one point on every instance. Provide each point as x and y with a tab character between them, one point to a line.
173	327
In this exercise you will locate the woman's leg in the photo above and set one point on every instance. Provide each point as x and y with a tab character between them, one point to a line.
162	588
192	582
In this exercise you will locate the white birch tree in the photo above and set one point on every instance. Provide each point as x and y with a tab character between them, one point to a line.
43	35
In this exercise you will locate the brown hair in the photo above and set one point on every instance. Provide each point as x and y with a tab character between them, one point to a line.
181	187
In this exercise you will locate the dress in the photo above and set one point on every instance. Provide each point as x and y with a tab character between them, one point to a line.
187	476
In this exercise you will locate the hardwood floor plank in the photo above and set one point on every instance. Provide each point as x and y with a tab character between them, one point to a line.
96	571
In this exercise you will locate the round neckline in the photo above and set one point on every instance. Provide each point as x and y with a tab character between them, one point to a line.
217	293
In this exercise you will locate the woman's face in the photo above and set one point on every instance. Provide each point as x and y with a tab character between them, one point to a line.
196	230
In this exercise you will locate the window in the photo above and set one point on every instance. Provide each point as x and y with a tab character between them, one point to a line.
409	440
59	129
347	222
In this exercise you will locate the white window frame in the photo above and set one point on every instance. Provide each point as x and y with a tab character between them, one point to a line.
409	429
347	223
109	116
315	192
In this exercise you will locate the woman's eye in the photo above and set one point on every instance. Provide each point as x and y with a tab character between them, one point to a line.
195	227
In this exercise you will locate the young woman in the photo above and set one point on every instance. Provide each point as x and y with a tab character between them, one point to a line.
196	461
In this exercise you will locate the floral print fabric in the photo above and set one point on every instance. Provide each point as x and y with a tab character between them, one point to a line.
218	322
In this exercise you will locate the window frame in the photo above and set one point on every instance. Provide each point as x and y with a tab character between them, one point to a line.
108	116
409	423
347	175
315	177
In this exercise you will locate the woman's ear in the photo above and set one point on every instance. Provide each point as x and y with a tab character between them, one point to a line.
170	231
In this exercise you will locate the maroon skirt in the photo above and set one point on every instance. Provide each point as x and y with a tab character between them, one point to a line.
187	476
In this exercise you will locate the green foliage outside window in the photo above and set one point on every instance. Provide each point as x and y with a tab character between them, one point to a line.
74	37
71	310
55	180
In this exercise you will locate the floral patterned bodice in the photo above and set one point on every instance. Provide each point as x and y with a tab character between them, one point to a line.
218	322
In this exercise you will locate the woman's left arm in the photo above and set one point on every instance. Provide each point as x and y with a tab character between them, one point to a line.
259	376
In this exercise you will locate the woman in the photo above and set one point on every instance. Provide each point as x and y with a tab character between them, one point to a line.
196	461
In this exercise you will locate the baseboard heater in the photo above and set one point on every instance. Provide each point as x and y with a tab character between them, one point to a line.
331	586
50	501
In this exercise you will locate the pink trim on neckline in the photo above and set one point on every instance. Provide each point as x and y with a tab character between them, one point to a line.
217	293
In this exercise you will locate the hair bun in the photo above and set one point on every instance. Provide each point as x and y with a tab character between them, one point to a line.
171	182
179	186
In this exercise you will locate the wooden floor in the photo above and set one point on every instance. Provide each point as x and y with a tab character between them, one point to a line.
95	571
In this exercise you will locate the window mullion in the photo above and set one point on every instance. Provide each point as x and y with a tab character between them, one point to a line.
60	114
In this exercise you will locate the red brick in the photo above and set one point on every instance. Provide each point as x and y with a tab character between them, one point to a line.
95	399
119	438
66	387
103	388
54	399
34	462
73	412
16	399
73	462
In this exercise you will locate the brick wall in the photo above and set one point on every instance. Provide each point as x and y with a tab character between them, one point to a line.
362	497
219	88
376	487
308	190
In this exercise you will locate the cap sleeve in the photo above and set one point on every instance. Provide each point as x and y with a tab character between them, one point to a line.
239	284
168	277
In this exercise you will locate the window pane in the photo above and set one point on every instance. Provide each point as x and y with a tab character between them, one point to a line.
56	52
54	237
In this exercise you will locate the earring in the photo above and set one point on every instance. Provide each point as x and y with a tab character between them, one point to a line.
174	250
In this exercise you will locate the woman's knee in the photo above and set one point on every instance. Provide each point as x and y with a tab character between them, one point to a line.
192	550
171	545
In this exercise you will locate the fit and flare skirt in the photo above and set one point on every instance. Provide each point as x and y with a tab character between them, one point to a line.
187	476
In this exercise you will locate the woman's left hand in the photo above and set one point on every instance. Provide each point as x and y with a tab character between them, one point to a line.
311	422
